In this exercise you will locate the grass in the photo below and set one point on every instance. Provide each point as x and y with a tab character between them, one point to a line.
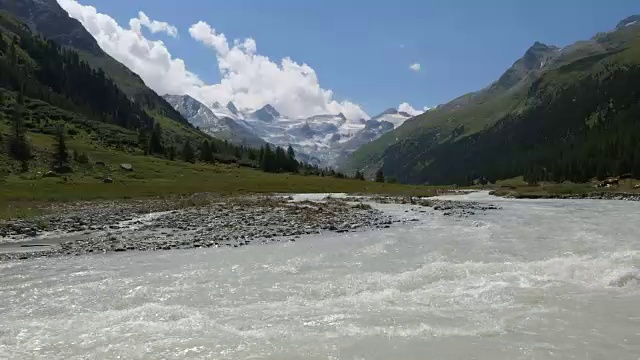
27	194
23	196
516	187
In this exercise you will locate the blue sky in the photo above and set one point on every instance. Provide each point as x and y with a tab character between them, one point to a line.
362	50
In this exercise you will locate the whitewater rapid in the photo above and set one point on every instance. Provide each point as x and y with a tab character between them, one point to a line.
543	279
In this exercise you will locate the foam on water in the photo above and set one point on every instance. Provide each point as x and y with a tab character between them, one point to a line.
541	279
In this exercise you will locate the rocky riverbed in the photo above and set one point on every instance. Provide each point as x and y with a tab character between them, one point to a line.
207	222
201	221
586	196
447	207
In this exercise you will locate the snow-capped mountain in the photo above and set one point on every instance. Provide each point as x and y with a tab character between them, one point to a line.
320	139
216	124
393	116
267	113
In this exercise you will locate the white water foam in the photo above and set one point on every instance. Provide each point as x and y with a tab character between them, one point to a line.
537	279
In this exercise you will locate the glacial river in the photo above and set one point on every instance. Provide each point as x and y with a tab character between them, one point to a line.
543	279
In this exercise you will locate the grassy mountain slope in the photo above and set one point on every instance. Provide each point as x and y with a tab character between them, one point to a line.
61	80
46	90
47	18
419	150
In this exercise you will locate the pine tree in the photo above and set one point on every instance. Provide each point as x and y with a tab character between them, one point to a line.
143	141
155	142
171	153
379	175
291	160
268	159
187	152
280	159
205	152
60	153
359	175
252	155
18	146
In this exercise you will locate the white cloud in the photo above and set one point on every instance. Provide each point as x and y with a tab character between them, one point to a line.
154	26
252	80
415	67
249	79
405	107
149	59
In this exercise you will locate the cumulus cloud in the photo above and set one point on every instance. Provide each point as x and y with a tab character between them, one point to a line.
415	67
405	107
249	79
153	25
149	59
252	80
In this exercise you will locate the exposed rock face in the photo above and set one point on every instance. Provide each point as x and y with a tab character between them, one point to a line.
633	20
267	113
222	127
49	19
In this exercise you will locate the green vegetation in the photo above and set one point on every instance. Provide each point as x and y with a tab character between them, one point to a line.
519	188
25	194
379	176
568	115
60	113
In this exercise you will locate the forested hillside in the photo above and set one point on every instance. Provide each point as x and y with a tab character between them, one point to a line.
47	18
49	95
557	114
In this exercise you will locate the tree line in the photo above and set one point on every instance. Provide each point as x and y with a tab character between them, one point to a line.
576	130
37	68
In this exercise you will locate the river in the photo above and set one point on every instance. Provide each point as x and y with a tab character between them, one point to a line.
537	279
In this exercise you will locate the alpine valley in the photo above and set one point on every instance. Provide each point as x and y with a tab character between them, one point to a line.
324	139
558	114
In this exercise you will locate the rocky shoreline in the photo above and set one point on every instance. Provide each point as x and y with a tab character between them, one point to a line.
585	196
201	221
210	222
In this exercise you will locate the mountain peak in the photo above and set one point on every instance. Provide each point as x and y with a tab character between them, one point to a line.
341	116
390	111
193	110
266	113
216	105
630	21
535	58
231	107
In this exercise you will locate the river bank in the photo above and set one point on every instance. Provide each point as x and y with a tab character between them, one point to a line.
158	225
603	195
499	284
203	221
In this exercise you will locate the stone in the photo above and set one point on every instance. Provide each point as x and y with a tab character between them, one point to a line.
126	167
50	174
107	180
